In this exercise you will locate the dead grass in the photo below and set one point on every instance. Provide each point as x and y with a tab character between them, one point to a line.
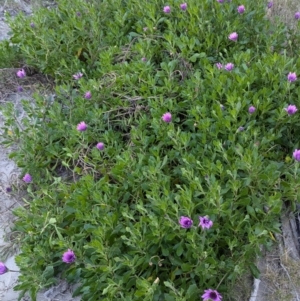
9	83
282	278
285	11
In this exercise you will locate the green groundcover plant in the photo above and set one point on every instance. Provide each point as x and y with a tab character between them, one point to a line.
161	166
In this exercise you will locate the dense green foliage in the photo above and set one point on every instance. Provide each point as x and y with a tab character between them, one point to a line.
118	209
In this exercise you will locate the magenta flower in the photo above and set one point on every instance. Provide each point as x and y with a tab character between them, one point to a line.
270	4
229	67
27	178
3	268
167	9
167	117
21	73
88	95
219	66
205	222
241	9
78	75
296	154
233	36
185	222
291	109
251	110
100	146
292	77
211	295
81	127
297	15
183	6
69	256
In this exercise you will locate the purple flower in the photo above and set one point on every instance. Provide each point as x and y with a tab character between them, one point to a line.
8	189
167	9
32	25
69	256
185	222
219	66
20	89
21	73
211	295
81	127
292	77
78	75
100	146
144	59
229	67
241	128
296	154
3	268
241	9
27	178
233	36
270	4
251	110
167	117
221	1
78	14
222	107
88	95
205	222
291	109
297	15
183	6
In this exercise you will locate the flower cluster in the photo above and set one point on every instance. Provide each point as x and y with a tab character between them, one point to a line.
27	178
21	73
69	256
251	109
291	109
229	67
167	9
78	75
292	77
233	36
204	222
3	268
296	154
100	146
81	127
211	295
167	117
88	95
241	9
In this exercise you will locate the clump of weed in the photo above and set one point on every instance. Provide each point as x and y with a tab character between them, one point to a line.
165	118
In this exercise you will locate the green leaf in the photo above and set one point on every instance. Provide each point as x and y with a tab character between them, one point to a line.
48	272
254	270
